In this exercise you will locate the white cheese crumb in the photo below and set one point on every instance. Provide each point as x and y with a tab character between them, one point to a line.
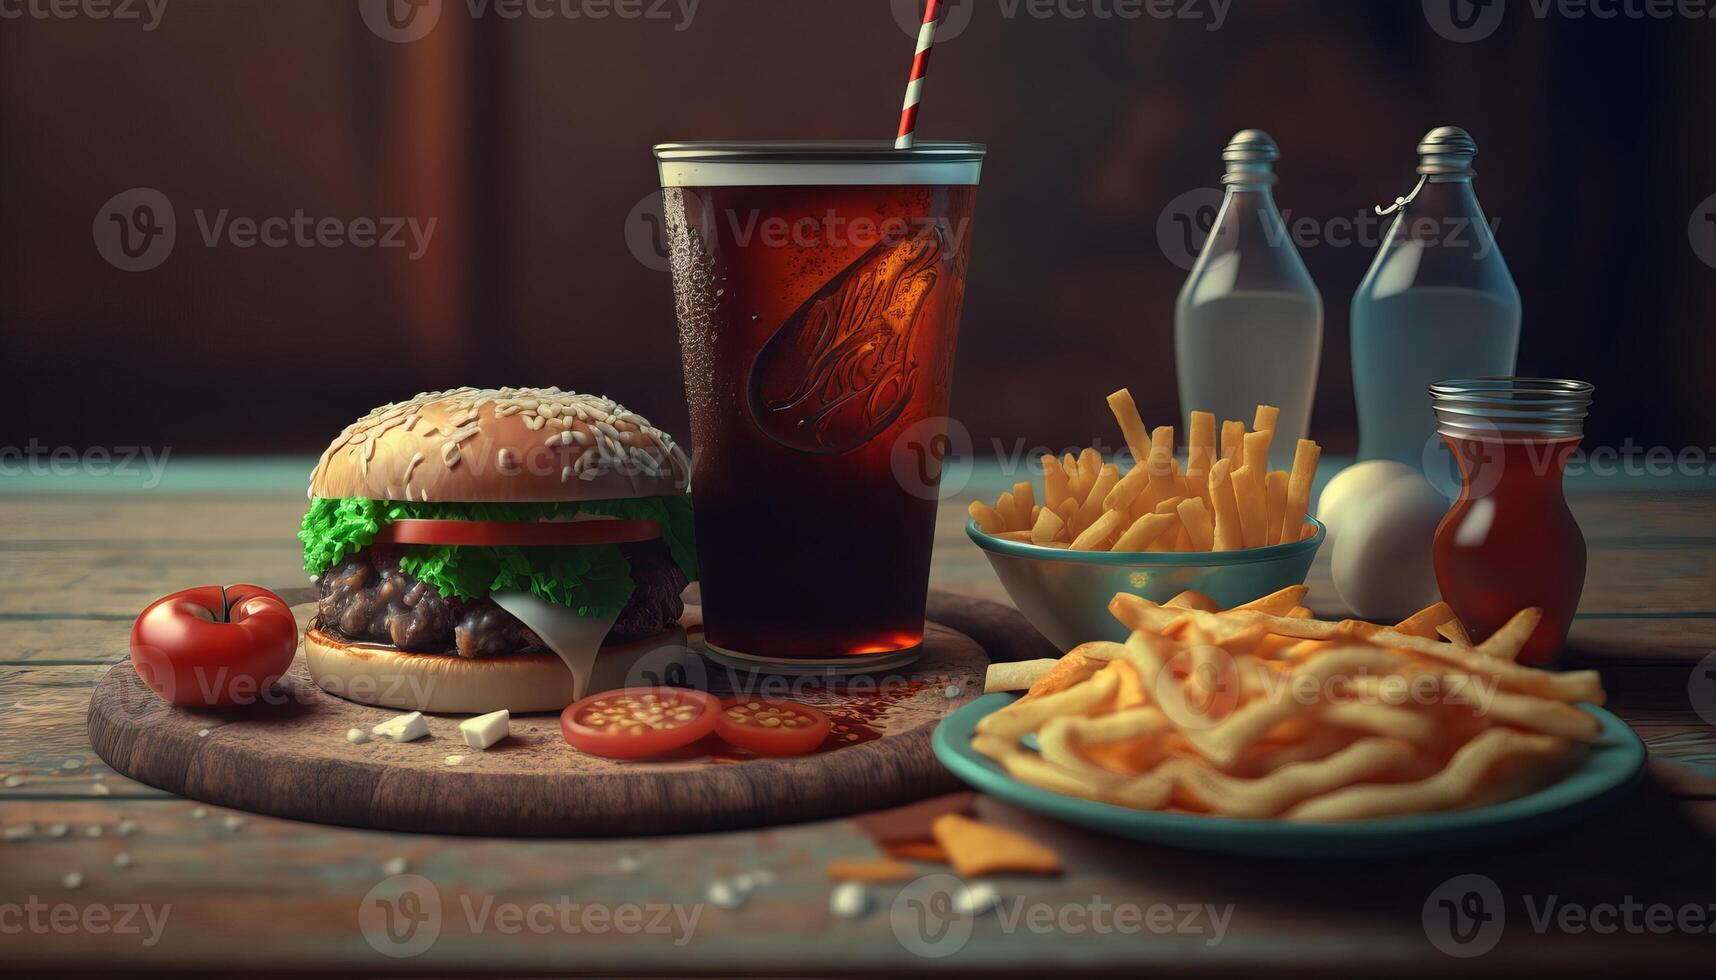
58	830
122	860
629	864
198	813
127	828
404	728
849	900
723	895
485	730
393	866
73	879
202	733
233	823
100	789
454	760
21	831
976	899
357	736
951	691
71	764
13	782
93	830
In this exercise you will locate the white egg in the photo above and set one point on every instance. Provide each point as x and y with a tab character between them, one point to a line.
1360	481
1383	567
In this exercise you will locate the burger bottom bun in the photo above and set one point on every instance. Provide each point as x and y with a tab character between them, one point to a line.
370	673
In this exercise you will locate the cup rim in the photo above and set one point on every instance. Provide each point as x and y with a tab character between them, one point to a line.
1192	559
818	163
827	151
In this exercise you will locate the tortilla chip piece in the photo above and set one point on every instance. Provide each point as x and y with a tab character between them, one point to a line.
870	870
976	849
917	850
912	822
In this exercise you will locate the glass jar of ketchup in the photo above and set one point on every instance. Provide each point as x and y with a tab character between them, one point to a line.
1510	541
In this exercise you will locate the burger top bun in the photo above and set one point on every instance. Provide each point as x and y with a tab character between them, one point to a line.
501	445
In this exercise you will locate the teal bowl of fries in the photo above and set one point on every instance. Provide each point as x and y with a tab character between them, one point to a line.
1065	593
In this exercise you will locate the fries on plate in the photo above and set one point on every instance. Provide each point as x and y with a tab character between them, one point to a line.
1264	712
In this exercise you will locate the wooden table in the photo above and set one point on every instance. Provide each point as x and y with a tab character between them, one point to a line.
238	890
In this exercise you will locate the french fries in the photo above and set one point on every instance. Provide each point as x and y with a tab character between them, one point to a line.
1263	712
1224	497
1228	536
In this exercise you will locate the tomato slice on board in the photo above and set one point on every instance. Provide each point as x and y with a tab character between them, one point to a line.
770	726
638	722
523	534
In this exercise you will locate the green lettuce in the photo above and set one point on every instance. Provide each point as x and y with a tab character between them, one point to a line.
593	579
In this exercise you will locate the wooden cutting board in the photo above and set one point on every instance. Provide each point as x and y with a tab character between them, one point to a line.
292	758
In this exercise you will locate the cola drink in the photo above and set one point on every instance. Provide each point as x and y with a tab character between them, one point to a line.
818	290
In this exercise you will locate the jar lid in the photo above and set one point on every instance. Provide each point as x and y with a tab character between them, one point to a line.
1500	408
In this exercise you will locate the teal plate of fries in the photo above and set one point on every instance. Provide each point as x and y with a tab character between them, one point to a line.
1610	767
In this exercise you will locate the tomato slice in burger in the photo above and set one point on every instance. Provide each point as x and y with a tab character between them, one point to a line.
638	722
523	534
774	727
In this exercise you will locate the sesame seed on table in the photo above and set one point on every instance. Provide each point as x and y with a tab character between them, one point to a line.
79	561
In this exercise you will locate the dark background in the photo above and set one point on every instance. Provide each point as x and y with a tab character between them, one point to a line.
528	140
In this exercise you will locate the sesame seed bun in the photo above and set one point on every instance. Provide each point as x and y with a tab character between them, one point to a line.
370	673
501	445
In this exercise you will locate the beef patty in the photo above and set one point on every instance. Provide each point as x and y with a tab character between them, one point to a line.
367	598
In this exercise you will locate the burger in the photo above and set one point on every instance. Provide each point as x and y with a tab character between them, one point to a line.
481	549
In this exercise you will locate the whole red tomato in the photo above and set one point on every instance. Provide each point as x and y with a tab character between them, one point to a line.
213	647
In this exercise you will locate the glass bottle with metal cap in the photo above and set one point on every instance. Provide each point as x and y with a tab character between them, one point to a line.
1248	327
1437	303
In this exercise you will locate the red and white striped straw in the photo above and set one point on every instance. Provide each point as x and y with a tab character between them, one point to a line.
920	68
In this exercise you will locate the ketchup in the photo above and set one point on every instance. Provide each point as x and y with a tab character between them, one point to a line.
1510	541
